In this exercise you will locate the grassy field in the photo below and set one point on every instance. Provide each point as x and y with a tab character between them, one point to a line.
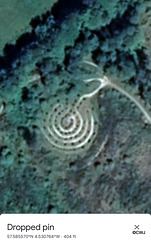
15	16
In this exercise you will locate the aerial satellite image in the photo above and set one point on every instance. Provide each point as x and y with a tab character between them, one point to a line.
75	106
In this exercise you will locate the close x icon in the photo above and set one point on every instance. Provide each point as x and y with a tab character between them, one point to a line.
136	227
137	230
